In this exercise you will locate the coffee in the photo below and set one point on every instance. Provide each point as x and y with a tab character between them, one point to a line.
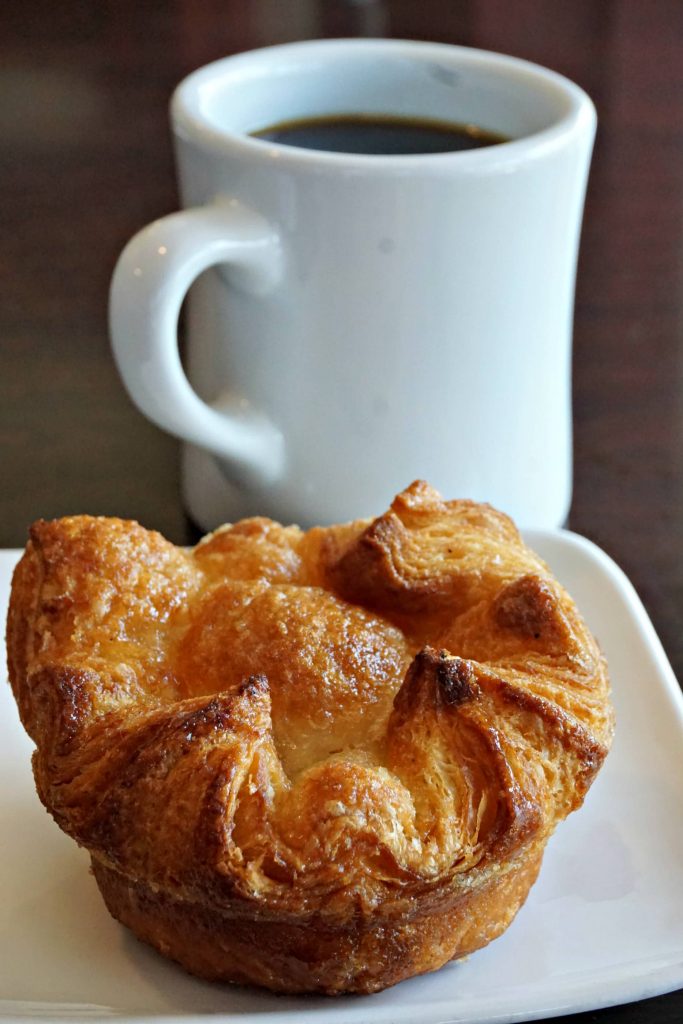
371	283
379	135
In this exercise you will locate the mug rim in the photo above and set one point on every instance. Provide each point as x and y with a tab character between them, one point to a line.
190	124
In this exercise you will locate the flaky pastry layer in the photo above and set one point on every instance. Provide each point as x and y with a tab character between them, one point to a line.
320	761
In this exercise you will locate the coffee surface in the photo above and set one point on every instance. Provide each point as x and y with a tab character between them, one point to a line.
379	135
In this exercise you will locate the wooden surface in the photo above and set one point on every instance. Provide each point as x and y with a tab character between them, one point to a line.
86	160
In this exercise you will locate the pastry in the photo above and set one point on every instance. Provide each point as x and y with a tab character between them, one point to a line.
320	761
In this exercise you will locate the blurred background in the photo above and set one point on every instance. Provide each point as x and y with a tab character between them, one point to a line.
86	160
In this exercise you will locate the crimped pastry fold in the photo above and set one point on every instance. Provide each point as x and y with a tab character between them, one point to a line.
320	761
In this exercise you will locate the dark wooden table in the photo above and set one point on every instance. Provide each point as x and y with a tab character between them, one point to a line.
86	160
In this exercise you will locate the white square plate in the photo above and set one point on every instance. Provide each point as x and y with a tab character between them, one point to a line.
603	925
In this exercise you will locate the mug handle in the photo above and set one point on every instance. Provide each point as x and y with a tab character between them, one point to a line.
150	281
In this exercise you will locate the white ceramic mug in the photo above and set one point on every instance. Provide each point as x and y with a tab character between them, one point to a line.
359	321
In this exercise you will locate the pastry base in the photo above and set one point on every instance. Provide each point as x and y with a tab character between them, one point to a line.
314	955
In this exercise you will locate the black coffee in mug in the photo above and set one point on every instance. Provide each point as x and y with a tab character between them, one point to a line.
379	135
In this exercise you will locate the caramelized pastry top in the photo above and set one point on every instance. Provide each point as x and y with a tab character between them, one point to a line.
353	716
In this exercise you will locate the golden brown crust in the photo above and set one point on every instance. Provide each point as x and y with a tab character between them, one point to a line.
317	761
358	954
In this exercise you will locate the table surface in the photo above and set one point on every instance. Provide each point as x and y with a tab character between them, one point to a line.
86	160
